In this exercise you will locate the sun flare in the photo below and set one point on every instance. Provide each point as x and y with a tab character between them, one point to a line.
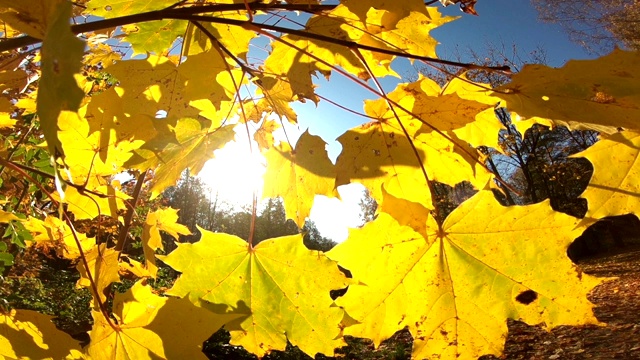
235	172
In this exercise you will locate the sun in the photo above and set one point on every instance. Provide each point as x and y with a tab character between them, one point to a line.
235	172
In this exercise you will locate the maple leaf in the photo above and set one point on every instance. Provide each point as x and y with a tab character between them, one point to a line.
614	188
111	131
61	58
192	147
594	94
94	200
284	285
26	334
56	233
483	130
89	154
152	85
103	265
117	8
455	286
299	175
154	36
264	135
233	38
31	17
442	109
151	327
165	220
379	153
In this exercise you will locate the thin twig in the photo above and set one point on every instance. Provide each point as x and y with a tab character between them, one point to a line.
131	211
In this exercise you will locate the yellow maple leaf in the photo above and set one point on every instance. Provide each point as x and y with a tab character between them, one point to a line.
233	38
264	135
58	91
598	94
83	149
151	327
26	334
116	8
119	132
57	234
454	286
299	175
190	146
154	36
438	108
379	153
165	220
152	85
614	188
484	128
97	197
31	17
103	265
281	285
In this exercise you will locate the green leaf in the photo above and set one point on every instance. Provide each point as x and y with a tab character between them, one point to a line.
58	90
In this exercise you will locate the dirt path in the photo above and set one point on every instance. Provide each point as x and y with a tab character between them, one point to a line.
617	304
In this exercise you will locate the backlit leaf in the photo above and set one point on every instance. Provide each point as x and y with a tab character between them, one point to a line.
597	94
165	220
299	175
152	327
55	233
26	334
614	188
281	285
103	266
193	146
154	36
61	58
455	286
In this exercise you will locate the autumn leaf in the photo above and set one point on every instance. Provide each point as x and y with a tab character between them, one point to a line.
299	175
103	266
455	286
438	108
283	286
151	327
264	135
117	8
192	147
154	36
152	85
379	153
614	188
55	233
109	131
61	59
233	38
26	334
483	130
31	17
94	200
595	94
165	220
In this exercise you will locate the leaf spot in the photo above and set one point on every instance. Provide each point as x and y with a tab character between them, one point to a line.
527	297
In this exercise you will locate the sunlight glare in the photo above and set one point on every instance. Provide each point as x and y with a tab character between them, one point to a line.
235	172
